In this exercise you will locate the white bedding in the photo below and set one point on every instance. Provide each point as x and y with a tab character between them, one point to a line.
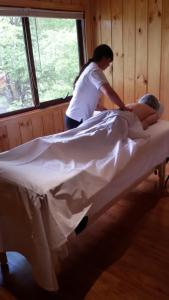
49	184
148	157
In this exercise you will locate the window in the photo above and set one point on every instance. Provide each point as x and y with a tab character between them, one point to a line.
40	56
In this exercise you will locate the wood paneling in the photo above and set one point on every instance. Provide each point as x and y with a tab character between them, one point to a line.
48	123
37	125
117	46
105	7
106	30
67	2
96	22
141	48
16	130
164	87
89	19
58	120
47	4
26	130
140	41
13	132
4	144
154	46
129	50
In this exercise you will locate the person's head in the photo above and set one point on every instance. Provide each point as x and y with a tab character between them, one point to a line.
102	55
151	101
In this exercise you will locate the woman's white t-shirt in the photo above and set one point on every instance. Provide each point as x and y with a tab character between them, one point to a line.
86	93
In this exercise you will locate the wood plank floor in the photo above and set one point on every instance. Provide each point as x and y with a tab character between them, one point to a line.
124	255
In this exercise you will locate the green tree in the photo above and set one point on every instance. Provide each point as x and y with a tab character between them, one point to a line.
56	60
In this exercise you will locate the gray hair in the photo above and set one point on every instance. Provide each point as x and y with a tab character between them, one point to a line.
152	101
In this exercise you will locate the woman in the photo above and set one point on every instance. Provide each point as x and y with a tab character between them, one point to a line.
88	87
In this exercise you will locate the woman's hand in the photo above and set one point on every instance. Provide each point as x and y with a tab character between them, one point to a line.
128	109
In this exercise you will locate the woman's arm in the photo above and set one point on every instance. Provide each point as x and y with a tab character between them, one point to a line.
107	90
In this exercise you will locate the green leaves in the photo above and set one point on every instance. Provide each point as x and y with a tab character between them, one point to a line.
55	50
56	56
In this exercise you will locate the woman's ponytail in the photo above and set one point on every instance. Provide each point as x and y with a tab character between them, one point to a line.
81	71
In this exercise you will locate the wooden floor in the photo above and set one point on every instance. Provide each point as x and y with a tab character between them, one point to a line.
122	256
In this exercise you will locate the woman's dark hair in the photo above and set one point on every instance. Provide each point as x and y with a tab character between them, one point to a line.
100	51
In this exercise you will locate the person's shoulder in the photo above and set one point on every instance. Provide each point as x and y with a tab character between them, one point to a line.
132	105
95	68
140	106
92	67
95	71
147	107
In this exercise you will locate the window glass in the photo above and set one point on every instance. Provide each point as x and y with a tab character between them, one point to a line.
55	50
15	90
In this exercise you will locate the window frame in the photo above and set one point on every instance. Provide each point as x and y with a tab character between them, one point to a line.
30	58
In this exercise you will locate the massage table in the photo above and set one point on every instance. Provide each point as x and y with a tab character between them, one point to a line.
49	184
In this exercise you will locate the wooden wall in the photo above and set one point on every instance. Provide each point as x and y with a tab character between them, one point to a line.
138	32
18	129
47	4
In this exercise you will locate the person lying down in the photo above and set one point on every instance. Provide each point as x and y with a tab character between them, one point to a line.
148	109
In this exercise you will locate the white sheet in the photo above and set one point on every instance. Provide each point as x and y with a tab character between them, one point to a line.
49	184
148	157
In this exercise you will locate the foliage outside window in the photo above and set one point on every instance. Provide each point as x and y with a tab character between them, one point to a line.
38	66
